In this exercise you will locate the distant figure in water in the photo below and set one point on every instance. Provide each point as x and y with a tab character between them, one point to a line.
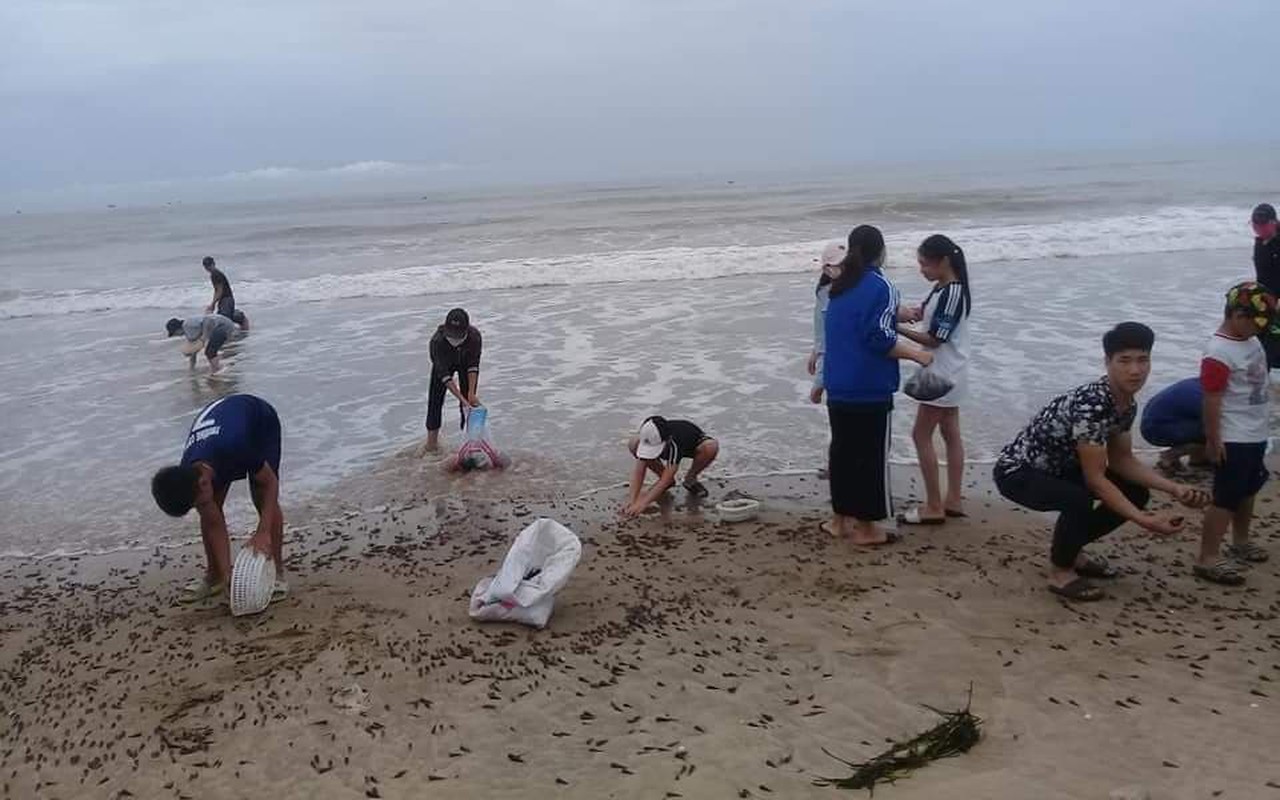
1173	419
224	302
455	368
213	329
233	438
659	447
1266	267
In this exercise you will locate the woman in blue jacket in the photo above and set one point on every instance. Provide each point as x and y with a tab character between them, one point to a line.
860	376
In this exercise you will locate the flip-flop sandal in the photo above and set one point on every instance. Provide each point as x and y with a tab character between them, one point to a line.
696	489
1223	573
890	537
198	591
1079	590
280	591
1250	553
1097	567
912	517
953	514
828	528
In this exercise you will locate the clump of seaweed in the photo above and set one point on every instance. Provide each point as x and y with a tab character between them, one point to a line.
957	733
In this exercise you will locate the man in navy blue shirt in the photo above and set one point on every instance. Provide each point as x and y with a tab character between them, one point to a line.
233	438
1172	419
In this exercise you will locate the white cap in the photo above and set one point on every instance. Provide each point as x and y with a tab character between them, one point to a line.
651	444
833	254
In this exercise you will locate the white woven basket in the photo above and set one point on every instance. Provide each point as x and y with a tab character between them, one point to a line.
739	510
253	578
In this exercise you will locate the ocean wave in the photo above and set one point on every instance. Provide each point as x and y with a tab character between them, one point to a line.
1169	229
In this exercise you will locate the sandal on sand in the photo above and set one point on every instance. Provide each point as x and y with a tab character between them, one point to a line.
199	590
1223	573
1079	590
912	517
828	528
890	537
695	488
1097	567
1250	553
280	591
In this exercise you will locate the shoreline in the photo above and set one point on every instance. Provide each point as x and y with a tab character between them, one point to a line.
751	646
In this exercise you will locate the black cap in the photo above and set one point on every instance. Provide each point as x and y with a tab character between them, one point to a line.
208	261
1264	212
173	326
457	321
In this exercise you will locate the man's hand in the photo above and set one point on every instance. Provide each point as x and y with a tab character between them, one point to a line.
813	363
473	401
208	309
1191	497
815	395
1216	452
924	358
1161	526
630	510
261	542
910	314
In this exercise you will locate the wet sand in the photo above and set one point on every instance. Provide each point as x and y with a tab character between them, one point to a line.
685	659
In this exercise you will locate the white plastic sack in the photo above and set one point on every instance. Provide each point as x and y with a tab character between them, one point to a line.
538	565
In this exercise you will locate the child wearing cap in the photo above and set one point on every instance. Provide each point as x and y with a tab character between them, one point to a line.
1234	377
660	446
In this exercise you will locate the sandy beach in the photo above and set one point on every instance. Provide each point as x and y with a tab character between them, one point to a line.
686	658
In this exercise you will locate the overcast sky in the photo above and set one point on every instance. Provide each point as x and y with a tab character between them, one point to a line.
121	91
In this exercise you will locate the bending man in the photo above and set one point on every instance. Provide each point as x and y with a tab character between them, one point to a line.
233	438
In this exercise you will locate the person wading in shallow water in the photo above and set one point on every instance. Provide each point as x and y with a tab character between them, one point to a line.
224	301
1079	450
455	368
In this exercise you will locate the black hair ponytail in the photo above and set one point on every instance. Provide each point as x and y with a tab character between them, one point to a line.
866	247
937	247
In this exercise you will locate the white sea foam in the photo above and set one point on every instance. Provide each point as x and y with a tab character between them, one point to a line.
1169	229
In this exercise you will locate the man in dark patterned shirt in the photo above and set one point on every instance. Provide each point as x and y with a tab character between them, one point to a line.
1077	450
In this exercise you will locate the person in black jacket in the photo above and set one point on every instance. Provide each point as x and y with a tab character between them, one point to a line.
455	368
1266	267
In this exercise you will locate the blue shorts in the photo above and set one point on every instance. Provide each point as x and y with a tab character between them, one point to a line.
1172	432
1241	476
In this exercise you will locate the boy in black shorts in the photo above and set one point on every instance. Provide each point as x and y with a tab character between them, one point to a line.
1234	375
659	447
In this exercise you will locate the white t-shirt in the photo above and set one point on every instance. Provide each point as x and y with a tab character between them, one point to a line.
946	320
1238	369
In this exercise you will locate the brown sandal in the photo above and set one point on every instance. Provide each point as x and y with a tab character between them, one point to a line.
1080	590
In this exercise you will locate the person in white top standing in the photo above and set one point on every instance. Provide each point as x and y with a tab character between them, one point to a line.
1234	376
832	258
946	334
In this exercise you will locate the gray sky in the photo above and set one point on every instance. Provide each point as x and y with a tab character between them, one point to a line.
122	91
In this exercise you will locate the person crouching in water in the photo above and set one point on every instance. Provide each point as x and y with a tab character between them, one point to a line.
659	447
214	329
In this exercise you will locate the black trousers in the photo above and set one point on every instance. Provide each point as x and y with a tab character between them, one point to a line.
1082	519
435	401
859	460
